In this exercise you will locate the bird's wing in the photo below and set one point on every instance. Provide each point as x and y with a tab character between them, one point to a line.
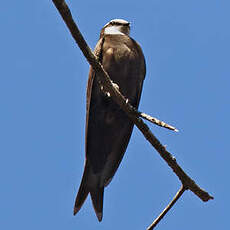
89	182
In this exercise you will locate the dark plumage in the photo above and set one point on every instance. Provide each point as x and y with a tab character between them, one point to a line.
108	129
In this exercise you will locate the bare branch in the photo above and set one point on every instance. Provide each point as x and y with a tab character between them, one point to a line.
174	200
157	122
133	114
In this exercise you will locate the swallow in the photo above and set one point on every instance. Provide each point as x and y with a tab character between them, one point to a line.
108	128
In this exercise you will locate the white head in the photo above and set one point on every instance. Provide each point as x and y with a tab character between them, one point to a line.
116	26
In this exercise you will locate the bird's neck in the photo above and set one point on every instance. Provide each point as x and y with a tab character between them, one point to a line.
116	30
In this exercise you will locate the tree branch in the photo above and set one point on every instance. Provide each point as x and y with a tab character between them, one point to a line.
174	200
157	121
134	115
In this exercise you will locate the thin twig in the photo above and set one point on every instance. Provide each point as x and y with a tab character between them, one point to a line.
157	121
174	200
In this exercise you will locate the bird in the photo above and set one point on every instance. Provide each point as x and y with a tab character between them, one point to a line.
108	128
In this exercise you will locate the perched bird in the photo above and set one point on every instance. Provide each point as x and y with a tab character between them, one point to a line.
108	129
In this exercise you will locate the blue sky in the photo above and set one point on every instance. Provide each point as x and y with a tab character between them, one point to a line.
43	78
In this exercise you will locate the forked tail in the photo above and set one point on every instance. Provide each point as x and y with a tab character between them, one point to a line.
96	192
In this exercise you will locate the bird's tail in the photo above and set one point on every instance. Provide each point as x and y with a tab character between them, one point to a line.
87	186
82	192
97	199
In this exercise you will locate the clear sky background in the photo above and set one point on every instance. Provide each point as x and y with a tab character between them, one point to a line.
43	78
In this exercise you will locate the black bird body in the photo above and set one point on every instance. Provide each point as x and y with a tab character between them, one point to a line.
108	129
